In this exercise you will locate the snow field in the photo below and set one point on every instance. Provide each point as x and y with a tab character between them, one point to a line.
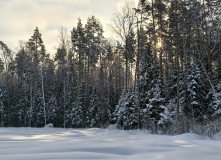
66	144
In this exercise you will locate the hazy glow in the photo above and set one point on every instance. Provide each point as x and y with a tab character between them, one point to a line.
159	44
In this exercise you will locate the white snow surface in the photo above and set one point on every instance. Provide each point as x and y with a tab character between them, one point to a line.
66	144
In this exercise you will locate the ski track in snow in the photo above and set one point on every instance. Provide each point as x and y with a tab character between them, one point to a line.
63	144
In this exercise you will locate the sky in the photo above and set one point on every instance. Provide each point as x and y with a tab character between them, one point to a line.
19	18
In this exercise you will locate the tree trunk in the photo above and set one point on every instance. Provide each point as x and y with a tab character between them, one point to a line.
87	80
161	47
209	68
79	73
154	31
219	61
126	75
177	65
31	103
184	51
43	96
34	97
200	43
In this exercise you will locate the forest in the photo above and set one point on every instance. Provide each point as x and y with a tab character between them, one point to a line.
162	73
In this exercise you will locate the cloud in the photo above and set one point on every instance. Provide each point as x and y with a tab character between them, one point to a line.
20	17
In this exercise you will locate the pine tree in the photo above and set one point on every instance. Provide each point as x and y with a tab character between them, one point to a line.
36	50
94	54
129	54
78	42
62	81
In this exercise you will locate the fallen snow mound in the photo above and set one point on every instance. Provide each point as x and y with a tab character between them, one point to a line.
217	136
190	136
49	125
112	127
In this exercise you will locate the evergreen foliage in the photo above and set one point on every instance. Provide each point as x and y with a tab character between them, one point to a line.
163	75
126	113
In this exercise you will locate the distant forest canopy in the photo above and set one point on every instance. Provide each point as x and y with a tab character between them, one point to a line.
163	75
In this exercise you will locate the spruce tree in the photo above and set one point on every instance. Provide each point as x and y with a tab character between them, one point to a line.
126	113
194	105
4	111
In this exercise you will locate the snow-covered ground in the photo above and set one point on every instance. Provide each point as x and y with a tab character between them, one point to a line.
57	143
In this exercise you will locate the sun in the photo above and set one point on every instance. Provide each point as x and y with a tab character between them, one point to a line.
159	44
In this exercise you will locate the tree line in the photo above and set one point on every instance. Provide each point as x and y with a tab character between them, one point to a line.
162	74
